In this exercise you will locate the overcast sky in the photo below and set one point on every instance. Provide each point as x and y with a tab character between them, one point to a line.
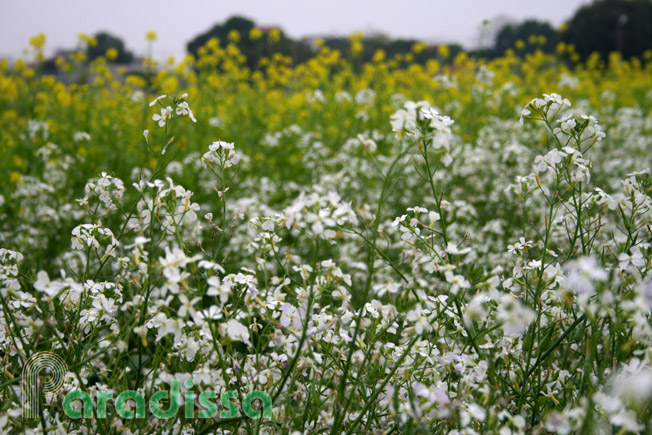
178	21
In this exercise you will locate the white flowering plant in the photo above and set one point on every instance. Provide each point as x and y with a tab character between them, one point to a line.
372	274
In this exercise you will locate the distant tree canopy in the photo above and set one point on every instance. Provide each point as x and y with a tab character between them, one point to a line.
393	47
263	45
106	41
603	27
221	31
252	43
530	32
611	25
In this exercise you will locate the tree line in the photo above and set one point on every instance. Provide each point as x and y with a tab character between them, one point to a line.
602	27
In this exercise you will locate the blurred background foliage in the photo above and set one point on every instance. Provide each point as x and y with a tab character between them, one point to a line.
602	27
246	81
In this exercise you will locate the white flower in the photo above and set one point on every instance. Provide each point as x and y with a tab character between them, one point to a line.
556	101
636	258
609	404
218	288
156	100
156	321
213	313
172	264
543	105
633	384
164	117
364	96
221	153
457	282
420	319
236	331
403	120
44	285
183	109
369	144
216	121
594	129
81	135
568	123
391	287
515	317
87	235
558	423
477	411
519	246
290	316
627	420
171	326
453	249
581	274
187	305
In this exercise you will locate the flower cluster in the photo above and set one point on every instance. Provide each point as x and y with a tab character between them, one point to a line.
372	265
171	108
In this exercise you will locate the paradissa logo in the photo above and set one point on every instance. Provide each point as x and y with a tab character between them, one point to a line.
34	379
206	401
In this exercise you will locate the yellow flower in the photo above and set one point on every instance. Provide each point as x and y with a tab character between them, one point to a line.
274	36
357	48
63	98
37	41
419	47
379	56
255	34
169	85
87	40
61	63
79	56
151	36
356	43
520	45
20	163
112	53
443	51
135	81
234	36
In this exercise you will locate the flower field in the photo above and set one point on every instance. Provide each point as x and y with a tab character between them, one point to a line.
460	246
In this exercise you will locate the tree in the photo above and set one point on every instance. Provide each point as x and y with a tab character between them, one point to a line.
105	41
611	25
253	48
530	32
392	47
221	31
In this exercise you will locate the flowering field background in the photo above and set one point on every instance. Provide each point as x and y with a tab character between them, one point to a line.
382	247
